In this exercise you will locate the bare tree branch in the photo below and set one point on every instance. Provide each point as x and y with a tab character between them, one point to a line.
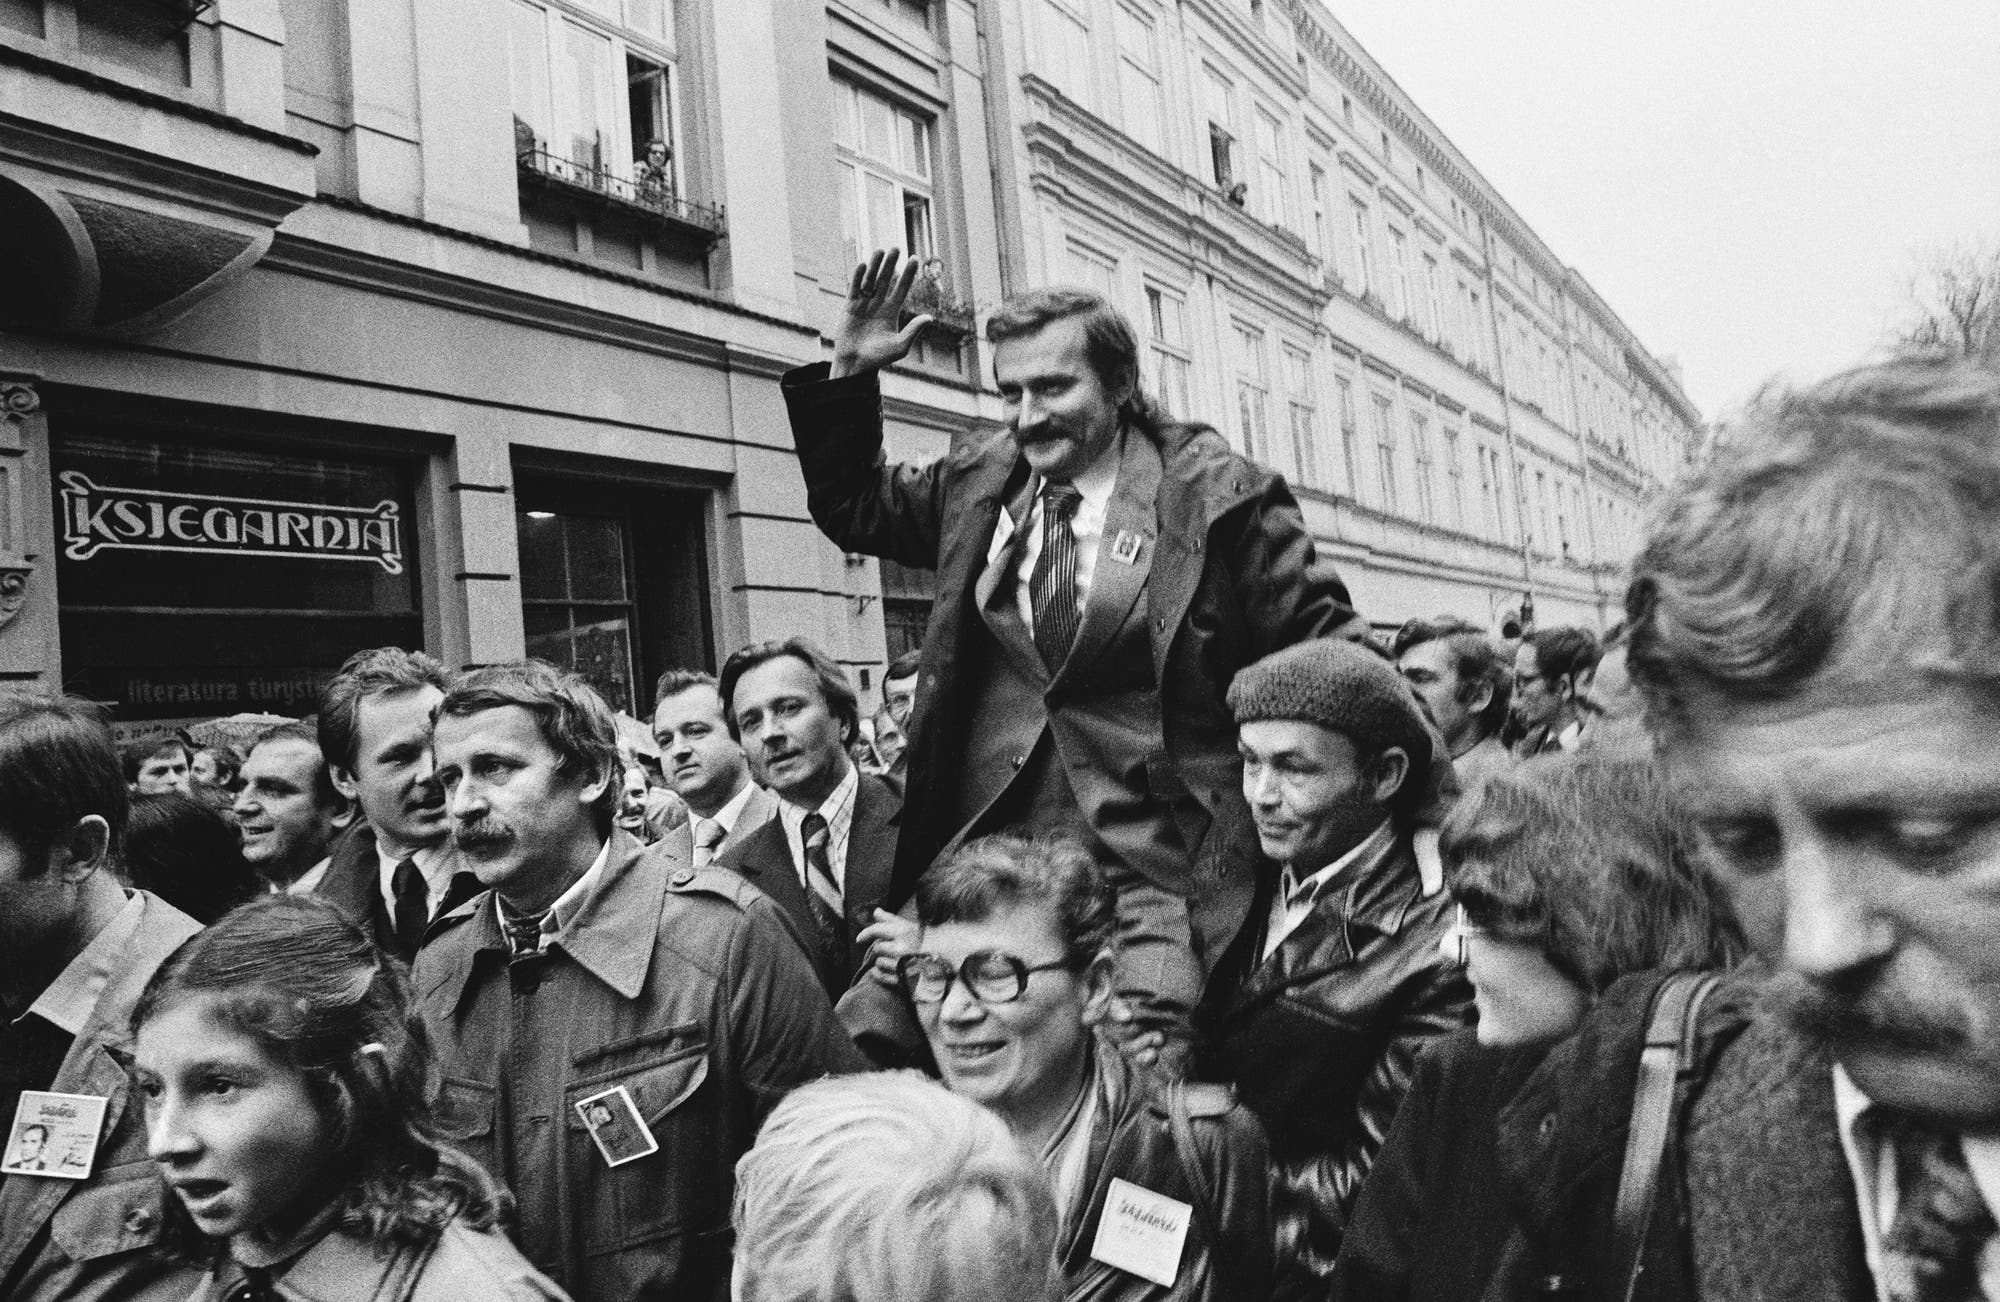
1954	302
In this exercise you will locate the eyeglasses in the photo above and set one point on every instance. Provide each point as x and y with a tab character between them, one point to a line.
991	976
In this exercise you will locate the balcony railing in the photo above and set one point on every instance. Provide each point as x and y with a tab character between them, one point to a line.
643	198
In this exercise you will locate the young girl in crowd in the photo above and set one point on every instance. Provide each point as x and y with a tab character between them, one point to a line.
284	1080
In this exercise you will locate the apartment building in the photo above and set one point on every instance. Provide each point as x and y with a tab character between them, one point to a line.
459	323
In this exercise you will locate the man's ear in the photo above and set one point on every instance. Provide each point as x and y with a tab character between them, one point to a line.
1098	990
1482	696
344	783
82	850
593	791
1386	774
348	811
1566	687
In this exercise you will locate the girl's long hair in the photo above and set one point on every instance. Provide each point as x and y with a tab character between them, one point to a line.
292	973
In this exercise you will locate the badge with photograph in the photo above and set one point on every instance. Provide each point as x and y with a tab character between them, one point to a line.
54	1135
614	1123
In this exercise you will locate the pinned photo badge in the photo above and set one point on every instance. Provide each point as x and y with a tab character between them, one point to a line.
54	1135
1125	547
615	1125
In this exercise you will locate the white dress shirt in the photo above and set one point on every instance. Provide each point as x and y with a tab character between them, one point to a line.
1874	1174
1294	900
725	817
1095	485
838	811
309	879
433	863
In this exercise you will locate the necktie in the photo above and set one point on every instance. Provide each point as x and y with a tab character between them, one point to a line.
1931	1252
255	1286
708	834
823	892
413	908
1052	587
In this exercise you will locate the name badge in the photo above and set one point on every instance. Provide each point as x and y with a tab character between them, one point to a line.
1125	547
54	1135
614	1123
1142	1232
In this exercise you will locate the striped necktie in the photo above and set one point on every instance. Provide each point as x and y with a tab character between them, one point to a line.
1052	586
1942	1225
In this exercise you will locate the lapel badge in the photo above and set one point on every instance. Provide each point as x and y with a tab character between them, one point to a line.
1125	547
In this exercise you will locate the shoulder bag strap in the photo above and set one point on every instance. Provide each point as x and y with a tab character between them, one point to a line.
1669	1051
1190	1160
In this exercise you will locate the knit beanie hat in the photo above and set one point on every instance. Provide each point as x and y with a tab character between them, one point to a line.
1340	686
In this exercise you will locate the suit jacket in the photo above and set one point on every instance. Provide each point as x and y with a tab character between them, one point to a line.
1755	1199
1230	576
764	859
86	1240
353	881
759	809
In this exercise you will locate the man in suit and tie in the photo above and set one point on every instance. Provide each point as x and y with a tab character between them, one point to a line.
1102	573
395	871
825	858
705	764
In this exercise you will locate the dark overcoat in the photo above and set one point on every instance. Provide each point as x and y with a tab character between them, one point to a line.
1233	577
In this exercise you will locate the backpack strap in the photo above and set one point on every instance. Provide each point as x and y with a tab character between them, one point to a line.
1668	1055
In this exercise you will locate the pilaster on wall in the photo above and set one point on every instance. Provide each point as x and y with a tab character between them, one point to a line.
487	568
30	649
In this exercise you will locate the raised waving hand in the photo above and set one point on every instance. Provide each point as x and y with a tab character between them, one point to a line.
871	333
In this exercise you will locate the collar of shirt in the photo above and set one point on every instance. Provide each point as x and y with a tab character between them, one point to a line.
1294	900
731	810
309	879
1095	485
431	861
71	998
566	904
838	811
1874	1174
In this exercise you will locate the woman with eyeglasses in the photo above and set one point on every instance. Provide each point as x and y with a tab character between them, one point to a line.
1570	871
1162	1189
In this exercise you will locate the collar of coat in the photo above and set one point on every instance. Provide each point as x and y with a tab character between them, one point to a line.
1200	470
1371	899
612	935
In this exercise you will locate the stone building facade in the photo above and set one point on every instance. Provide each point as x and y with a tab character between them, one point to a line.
459	323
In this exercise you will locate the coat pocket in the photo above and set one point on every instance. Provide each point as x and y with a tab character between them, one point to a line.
465	1119
677	1187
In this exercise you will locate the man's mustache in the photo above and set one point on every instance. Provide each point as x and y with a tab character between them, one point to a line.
1837	1012
484	832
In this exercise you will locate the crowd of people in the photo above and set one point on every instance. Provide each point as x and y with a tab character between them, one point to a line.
1167	933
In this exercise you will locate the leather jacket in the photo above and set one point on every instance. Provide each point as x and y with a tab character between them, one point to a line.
1227	1255
1321	1039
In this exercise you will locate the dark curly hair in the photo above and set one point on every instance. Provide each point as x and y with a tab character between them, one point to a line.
1589	859
997	873
292	973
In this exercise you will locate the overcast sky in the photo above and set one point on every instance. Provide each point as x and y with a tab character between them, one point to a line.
1746	182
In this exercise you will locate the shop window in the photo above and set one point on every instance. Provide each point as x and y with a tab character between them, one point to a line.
613	584
203	580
